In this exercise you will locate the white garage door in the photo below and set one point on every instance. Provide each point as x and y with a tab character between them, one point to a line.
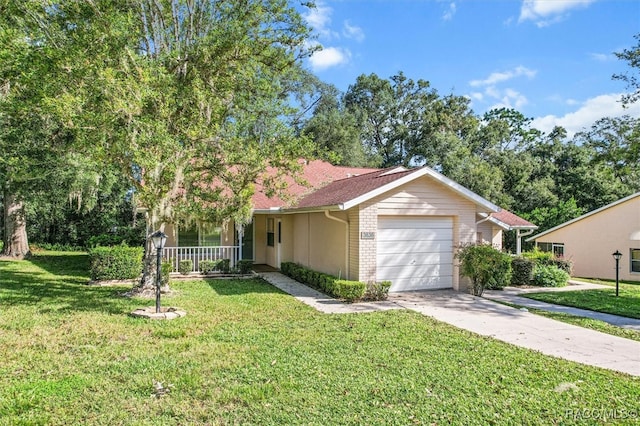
415	253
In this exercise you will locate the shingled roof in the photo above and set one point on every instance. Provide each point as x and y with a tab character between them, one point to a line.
511	220
331	186
343	190
316	174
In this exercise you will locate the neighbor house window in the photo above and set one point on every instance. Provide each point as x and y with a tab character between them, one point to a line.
556	248
635	260
270	232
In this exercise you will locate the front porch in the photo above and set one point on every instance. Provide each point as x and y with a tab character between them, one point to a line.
197	254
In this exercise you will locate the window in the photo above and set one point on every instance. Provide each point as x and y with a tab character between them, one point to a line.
198	237
270	232
635	260
544	246
556	248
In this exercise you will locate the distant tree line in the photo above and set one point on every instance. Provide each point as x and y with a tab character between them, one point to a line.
548	178
108	106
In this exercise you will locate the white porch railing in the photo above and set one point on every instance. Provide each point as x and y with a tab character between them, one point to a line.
196	254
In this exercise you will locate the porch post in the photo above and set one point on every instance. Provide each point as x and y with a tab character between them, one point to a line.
240	235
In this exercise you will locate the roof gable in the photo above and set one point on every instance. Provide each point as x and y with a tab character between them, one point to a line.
346	193
584	216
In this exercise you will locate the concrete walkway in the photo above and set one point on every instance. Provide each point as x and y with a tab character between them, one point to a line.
321	301
488	318
514	296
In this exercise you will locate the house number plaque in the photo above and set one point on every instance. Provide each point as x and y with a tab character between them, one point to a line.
367	235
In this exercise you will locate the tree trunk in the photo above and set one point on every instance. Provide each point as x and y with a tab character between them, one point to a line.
15	240
146	287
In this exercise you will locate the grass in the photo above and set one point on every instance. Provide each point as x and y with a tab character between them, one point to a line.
627	304
248	354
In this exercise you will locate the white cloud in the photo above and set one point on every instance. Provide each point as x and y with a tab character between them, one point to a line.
589	112
319	19
507	98
352	31
448	14
329	57
602	57
547	12
499	77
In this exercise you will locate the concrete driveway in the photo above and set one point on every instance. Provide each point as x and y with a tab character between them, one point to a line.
525	329
488	318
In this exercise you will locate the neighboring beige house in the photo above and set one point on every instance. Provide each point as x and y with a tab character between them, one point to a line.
590	240
395	224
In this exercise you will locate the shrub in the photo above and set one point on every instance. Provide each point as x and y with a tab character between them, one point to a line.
104	240
185	266
522	271
486	266
244	266
549	276
126	235
54	247
343	289
208	266
377	290
224	265
349	290
563	264
539	257
166	270
115	263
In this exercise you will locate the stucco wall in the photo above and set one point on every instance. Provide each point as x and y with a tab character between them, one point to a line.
260	239
320	243
590	242
491	234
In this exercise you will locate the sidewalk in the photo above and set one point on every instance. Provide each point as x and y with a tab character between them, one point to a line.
513	296
488	318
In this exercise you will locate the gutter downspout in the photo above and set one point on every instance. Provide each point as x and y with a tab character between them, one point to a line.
337	219
519	235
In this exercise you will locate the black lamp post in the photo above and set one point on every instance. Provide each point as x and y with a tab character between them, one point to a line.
617	255
158	238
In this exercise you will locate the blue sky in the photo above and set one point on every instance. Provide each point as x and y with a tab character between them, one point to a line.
552	60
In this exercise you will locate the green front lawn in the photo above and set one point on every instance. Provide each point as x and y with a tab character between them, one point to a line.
248	354
627	304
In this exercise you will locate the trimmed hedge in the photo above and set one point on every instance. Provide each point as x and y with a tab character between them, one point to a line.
342	289
244	266
377	291
115	263
207	266
522	271
211	266
185	266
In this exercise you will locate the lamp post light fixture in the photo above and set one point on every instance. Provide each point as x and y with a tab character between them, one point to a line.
158	238
617	255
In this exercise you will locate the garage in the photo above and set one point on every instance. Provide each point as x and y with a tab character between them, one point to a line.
415	253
